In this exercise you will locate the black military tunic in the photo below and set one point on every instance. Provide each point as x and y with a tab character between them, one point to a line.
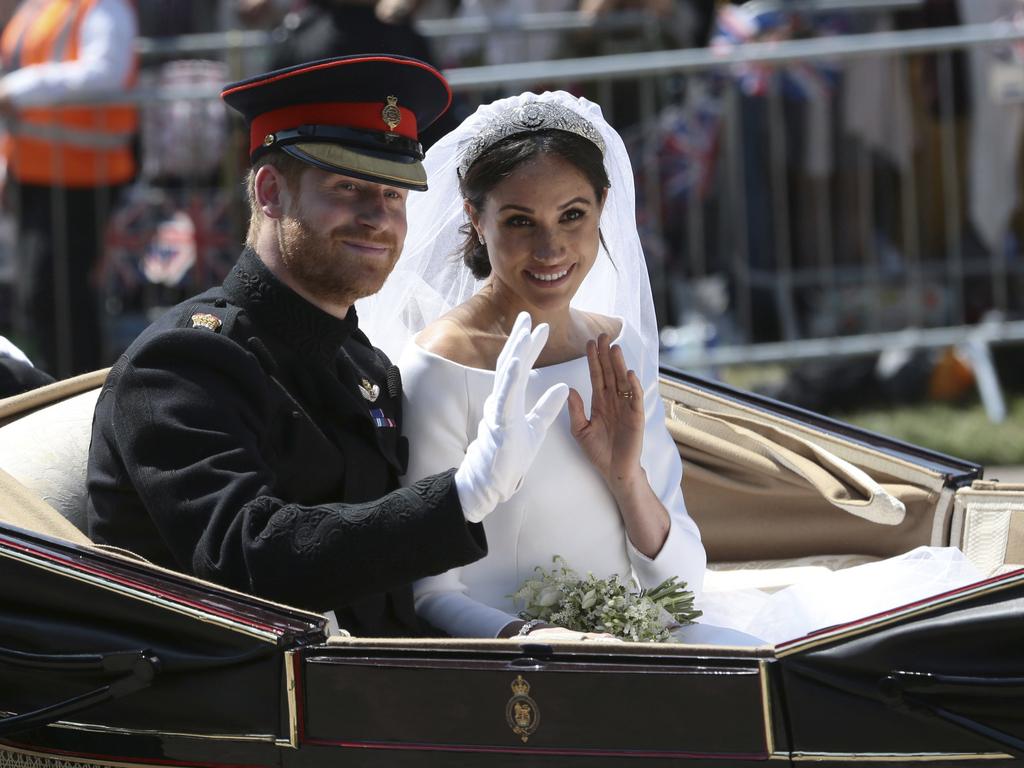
253	440
17	377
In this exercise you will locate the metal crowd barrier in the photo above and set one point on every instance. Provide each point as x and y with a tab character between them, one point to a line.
752	258
791	284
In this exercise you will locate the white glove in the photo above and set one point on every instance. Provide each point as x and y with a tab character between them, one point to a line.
508	437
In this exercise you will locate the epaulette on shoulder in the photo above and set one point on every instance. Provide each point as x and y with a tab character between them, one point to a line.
217	317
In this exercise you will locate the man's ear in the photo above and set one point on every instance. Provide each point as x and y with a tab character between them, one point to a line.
271	191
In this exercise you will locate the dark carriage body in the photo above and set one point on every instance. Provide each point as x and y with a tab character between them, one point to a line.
106	660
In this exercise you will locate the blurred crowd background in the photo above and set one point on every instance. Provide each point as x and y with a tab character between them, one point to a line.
829	184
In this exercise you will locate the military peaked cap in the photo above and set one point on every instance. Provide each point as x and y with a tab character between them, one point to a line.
354	115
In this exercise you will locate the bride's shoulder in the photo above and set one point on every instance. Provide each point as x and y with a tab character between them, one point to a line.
597	324
456	340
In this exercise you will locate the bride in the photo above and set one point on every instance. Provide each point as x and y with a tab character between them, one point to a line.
538	174
531	209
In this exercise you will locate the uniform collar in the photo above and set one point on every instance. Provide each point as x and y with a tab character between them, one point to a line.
275	306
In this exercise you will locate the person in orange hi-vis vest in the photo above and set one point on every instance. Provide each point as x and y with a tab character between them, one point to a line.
66	161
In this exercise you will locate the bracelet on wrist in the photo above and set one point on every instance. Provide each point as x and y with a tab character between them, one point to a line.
529	626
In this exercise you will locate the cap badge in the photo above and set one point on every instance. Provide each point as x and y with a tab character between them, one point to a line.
391	115
269	139
369	391
206	320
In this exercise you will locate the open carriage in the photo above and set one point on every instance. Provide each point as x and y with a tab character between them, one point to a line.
106	660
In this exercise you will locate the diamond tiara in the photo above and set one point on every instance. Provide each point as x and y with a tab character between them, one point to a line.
528	118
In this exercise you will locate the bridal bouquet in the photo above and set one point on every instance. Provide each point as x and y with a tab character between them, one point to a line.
560	596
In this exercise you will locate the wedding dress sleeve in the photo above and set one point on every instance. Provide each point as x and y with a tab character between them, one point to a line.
682	554
437	423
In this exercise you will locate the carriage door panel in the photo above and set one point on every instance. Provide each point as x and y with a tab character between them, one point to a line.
531	703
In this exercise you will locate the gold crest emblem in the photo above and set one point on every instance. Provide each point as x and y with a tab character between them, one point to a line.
391	115
521	712
369	390
206	320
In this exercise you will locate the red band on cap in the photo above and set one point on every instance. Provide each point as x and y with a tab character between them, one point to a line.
361	115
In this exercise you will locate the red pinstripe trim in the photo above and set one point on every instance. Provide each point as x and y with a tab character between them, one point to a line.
78	566
540	751
898	609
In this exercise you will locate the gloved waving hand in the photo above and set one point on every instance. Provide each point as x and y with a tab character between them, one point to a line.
508	437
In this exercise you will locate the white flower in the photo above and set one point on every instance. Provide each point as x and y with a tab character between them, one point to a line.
549	596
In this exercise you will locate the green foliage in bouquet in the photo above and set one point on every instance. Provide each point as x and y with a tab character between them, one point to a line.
560	596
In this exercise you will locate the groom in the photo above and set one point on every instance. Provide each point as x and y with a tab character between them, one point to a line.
252	435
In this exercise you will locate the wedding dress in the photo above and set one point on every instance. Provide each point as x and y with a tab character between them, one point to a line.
830	598
563	507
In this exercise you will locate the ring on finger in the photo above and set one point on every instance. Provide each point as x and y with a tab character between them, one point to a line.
628	394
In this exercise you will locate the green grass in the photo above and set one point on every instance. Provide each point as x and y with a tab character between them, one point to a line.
961	430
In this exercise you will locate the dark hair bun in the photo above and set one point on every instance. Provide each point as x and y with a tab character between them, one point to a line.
478	261
474	253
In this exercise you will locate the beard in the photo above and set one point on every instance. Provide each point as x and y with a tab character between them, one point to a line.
325	269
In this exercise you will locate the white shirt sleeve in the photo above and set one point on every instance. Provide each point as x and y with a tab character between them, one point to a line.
106	47
682	554
8	349
436	421
442	602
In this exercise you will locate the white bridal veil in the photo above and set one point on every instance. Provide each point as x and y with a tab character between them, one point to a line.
430	277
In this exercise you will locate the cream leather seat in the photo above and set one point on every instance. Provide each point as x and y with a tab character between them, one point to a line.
47	452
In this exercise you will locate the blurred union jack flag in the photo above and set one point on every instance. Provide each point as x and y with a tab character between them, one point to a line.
162	243
755	22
